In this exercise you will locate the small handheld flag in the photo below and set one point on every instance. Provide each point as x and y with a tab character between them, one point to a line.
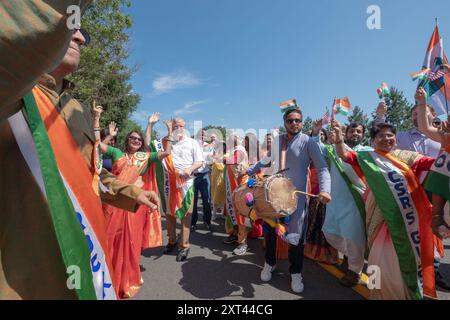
288	105
420	75
384	91
342	106
326	118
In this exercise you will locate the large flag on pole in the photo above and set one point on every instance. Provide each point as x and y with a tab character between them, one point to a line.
435	83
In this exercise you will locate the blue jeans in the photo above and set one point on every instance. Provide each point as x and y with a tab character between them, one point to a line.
201	184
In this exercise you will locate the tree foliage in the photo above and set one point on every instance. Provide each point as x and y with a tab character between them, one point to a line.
398	111
307	125
103	75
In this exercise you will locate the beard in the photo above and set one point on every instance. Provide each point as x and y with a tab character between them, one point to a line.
352	142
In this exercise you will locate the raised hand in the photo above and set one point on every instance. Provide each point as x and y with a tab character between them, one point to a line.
444	132
336	126
381	109
168	124
96	110
113	129
154	118
317	126
421	96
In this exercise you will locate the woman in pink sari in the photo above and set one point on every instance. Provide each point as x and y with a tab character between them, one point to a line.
129	233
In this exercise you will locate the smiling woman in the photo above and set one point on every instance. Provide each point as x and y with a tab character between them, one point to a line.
398	214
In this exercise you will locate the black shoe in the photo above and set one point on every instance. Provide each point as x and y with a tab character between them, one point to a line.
182	255
141	268
170	247
230	240
344	265
193	228
350	279
441	282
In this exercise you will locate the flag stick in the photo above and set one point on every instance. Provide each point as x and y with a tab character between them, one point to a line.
333	115
446	101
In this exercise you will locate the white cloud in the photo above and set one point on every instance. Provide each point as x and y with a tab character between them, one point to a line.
188	107
139	116
178	80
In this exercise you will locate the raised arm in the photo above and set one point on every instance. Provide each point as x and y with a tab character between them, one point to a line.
381	113
167	152
152	120
340	145
96	114
113	130
33	40
422	118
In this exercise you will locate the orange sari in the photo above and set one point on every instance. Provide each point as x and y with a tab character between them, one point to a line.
128	233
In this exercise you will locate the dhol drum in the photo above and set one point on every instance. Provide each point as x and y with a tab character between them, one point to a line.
271	197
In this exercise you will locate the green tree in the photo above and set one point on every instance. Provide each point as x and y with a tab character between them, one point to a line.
213	128
398	111
307	125
281	130
358	116
103	75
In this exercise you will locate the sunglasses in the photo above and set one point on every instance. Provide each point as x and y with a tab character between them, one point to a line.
291	121
135	138
86	36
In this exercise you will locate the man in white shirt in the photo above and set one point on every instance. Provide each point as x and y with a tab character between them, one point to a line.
187	156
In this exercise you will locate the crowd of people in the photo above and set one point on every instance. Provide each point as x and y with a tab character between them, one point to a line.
72	197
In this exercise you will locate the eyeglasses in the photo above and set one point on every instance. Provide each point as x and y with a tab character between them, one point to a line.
135	138
291	121
86	36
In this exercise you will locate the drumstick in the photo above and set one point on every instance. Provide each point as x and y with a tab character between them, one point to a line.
305	193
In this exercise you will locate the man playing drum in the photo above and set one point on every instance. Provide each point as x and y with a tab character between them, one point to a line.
296	152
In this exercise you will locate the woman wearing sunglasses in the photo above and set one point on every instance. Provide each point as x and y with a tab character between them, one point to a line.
129	233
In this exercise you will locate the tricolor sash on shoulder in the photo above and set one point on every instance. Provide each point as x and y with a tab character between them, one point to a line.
65	180
407	213
178	194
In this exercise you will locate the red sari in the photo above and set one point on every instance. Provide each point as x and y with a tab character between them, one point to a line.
128	233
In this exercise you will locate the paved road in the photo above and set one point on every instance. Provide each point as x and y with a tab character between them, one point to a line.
213	272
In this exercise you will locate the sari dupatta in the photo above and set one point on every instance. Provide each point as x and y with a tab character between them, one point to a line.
125	232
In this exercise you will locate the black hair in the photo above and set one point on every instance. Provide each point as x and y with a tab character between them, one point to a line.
126	146
378	127
355	125
292	111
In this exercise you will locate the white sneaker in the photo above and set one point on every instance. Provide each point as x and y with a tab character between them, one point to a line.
266	273
297	282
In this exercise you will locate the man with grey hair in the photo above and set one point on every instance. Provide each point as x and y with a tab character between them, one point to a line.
186	158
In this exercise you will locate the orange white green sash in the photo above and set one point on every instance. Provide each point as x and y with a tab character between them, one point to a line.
438	181
407	213
65	181
178	193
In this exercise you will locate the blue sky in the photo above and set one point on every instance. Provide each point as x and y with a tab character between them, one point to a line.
231	62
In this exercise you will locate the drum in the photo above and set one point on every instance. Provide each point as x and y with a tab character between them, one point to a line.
273	197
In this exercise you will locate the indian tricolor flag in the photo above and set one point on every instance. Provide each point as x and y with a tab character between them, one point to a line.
420	75
435	59
384	91
438	180
286	105
342	106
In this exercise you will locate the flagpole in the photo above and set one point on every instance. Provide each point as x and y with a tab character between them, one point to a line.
333	116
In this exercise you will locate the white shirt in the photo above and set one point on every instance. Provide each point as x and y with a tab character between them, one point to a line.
207	150
185	153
